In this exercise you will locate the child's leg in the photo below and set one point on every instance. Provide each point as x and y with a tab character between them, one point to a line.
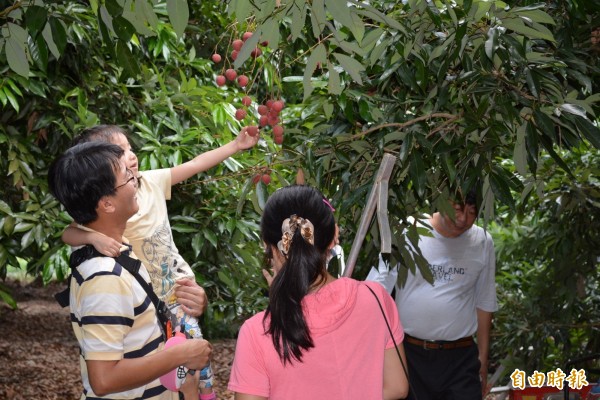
192	329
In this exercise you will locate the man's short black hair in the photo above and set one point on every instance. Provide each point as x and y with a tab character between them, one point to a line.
471	198
82	175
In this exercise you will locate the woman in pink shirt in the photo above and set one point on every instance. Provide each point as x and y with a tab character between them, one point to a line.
320	337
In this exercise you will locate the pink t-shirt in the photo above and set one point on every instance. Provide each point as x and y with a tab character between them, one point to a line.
349	334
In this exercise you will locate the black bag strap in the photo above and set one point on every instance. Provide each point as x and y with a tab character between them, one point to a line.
132	265
393	339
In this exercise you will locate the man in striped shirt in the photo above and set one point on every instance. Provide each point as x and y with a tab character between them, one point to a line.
113	318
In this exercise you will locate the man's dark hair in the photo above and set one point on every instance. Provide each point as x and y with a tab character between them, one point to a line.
82	175
471	198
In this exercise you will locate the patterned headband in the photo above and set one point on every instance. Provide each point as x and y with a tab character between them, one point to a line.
289	227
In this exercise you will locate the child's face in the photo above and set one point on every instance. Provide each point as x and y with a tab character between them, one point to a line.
130	158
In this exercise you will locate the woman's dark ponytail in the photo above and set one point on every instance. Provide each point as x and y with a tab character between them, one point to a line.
304	266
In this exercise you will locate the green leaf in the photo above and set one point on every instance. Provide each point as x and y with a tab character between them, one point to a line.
351	66
516	25
5	208
114	8
211	237
343	13
532	82
334	86
537	15
7	298
179	15
261	194
59	34
298	18
589	130
544	123
317	57
270	32
247	48
182	228
318	17
16	57
127	61
520	151
47	34
573	109
501	187
35	18
373	13
39	52
123	28
241	9
418	174
3	98
491	44
12	100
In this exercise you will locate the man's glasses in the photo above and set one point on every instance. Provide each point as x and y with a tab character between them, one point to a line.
131	176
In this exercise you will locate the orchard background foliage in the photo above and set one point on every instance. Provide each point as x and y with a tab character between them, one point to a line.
502	94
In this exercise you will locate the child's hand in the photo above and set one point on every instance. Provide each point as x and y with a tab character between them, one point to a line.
191	297
189	388
245	141
106	245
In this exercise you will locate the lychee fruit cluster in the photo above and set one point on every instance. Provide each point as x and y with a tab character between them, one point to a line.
260	117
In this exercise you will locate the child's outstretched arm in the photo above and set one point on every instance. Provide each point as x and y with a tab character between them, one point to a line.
73	236
211	158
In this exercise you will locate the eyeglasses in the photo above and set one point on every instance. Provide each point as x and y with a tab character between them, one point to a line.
132	177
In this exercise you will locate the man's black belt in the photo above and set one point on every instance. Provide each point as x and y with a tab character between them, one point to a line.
439	344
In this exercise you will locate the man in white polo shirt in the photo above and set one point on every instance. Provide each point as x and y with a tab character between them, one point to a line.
441	319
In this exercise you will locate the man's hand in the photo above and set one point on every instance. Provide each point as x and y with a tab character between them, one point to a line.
198	352
483	373
191	296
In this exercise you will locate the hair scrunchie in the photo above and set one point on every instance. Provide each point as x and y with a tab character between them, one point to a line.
289	227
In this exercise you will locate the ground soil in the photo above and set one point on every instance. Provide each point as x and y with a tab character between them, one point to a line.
39	356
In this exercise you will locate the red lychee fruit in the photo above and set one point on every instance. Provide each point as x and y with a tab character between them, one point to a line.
230	74
263	120
246	36
221	80
272	120
256	178
269	103
237	44
263	110
278	139
264	43
252	130
234	55
246	100
256	52
240	114
278	130
277	105
216	58
266	179
242	80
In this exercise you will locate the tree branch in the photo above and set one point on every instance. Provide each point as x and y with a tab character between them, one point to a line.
400	125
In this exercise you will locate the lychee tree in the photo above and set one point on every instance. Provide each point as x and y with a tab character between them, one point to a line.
454	90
